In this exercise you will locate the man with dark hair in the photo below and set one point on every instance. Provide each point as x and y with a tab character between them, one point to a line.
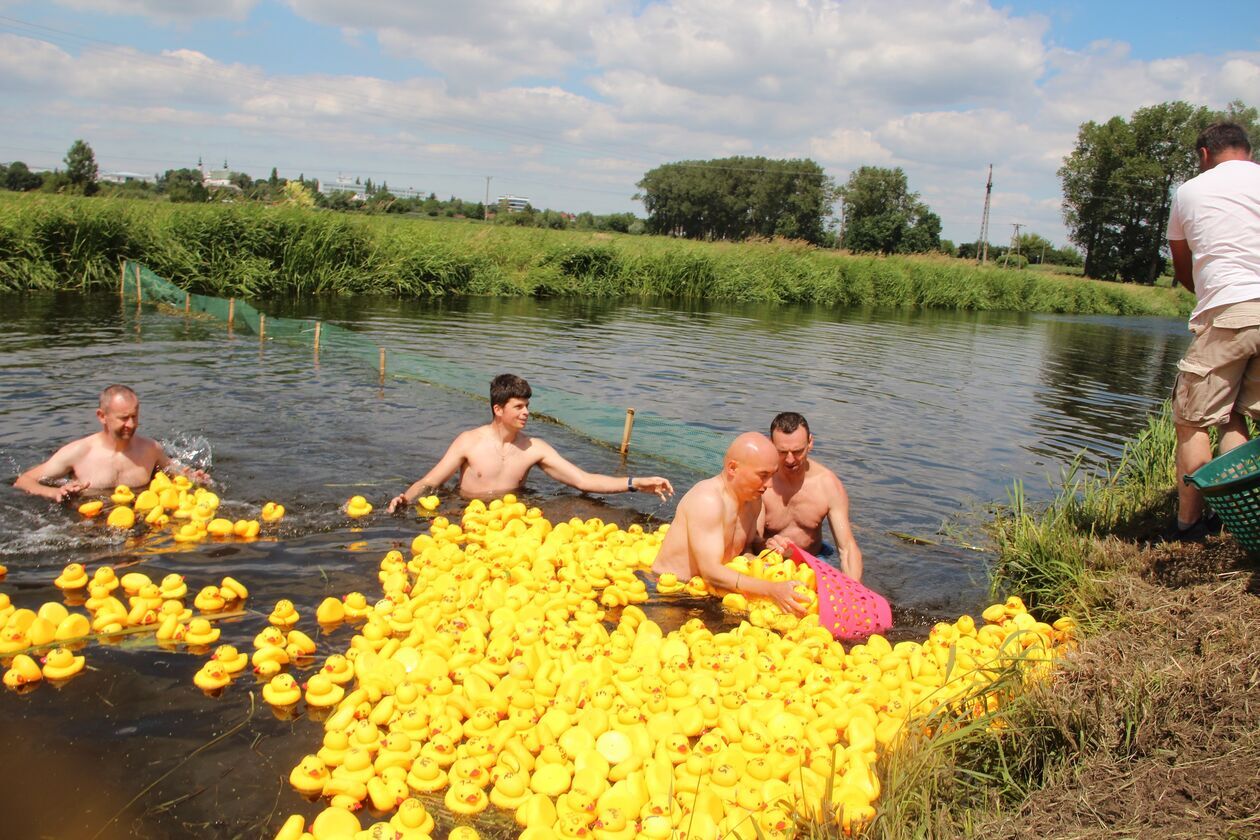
803	494
495	458
114	455
719	518
1214	237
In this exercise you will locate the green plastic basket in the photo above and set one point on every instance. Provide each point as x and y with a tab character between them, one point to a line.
1231	486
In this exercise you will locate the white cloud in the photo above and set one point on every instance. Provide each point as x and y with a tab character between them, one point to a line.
166	11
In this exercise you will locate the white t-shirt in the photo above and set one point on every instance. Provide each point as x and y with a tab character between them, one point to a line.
1218	214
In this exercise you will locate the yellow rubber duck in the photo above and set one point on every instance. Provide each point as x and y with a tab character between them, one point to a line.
122	495
232	586
429	503
61	664
412	820
73	626
212	677
284	615
22	672
272	512
355	606
209	599
299	645
173	587
91	508
233	661
219	528
73	576
246	529
330	612
335	824
146	501
201	632
191	532
358	507
321	692
339	669
271	637
122	518
466	798
282	690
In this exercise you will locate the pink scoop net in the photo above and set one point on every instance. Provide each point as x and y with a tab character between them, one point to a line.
845	607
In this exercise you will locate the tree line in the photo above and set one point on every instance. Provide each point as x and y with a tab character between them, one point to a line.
1118	184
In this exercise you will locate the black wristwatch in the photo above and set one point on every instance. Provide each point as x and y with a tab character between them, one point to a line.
630	488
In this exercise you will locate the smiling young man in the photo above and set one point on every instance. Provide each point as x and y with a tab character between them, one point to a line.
802	494
496	458
115	455
720	518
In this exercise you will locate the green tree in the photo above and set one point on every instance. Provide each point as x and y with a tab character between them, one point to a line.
735	198
19	178
81	167
296	194
183	186
882	215
1118	184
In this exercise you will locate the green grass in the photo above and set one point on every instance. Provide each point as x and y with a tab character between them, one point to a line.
252	251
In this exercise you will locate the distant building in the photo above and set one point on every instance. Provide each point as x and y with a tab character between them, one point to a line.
514	203
217	179
125	178
343	185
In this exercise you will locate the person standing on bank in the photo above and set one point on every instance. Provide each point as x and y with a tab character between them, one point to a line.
1214	237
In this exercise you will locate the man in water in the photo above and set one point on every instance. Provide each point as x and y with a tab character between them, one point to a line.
802	494
495	458
1214	237
720	518
115	455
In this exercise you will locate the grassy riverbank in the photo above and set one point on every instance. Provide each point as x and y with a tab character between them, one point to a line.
258	252
1153	726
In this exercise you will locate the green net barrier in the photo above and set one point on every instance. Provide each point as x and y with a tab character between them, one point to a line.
660	437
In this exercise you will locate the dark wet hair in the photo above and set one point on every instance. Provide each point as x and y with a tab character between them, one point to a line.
508	386
1220	136
788	422
107	396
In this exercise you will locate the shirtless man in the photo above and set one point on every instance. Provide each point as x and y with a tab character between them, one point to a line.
720	518
495	458
802	494
114	455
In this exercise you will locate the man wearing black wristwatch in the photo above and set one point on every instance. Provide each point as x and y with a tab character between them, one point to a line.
495	458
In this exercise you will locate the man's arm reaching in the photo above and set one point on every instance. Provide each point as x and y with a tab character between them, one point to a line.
568	473
842	530
59	465
704	535
442	471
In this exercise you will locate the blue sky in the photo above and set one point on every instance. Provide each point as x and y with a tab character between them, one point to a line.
570	104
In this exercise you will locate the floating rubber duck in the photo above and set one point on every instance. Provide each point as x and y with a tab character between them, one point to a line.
355	606
209	599
358	507
321	692
284	615
232	660
201	632
190	532
429	503
466	798
122	495
234	587
61	664
173	587
272	512
219	528
91	508
282	690
22	672
246	529
73	576
299	645
340	670
122	518
212	677
412	819
426	775
335	824
73	626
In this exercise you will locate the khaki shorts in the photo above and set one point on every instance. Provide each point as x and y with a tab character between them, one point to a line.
1219	374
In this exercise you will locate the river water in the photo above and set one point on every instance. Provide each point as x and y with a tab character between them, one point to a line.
927	416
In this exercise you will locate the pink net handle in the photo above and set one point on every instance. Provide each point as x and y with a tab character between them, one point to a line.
845	607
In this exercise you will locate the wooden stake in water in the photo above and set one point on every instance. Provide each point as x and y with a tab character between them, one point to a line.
317	326
122	279
187	302
139	291
382	365
625	435
231	311
262	327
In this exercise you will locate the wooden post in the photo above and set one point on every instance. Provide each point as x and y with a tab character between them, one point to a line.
139	291
231	311
122	280
625	435
382	364
317	325
262	326
187	302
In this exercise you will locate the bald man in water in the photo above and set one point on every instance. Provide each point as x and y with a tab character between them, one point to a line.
720	518
115	455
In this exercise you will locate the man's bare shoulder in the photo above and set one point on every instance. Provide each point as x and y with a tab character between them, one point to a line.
824	479
702	494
